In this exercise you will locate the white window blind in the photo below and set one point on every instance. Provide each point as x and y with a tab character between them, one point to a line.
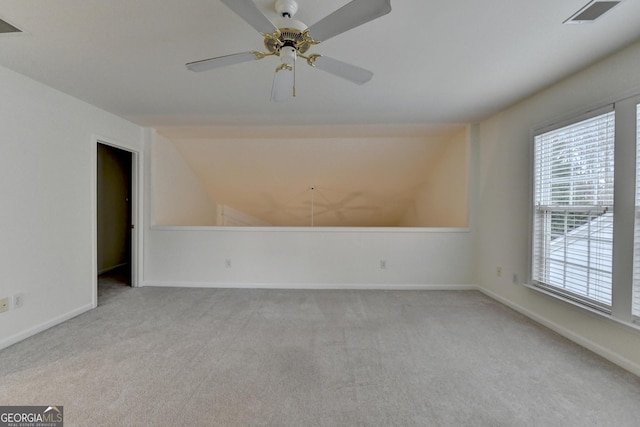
573	218
636	256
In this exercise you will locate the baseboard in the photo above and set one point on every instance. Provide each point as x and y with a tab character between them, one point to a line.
578	339
6	342
318	286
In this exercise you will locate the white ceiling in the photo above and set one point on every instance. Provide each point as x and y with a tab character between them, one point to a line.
434	62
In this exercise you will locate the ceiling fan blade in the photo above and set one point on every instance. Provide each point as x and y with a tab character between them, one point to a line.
349	72
223	61
283	84
247	10
351	15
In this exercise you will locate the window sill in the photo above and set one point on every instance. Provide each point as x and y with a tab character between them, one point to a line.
632	325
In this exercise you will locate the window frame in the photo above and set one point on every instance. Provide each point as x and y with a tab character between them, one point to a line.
566	295
635	286
626	146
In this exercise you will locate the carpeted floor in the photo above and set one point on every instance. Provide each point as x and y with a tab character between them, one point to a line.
221	357
113	281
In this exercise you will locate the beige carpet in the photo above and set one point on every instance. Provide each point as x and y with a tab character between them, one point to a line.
207	357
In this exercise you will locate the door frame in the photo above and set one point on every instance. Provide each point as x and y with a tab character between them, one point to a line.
135	206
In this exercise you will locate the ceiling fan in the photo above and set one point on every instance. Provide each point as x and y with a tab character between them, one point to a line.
290	39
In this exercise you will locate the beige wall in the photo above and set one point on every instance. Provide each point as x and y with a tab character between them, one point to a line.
178	197
358	181
503	207
443	200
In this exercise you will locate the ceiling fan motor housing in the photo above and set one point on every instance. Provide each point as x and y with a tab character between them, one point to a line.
291	34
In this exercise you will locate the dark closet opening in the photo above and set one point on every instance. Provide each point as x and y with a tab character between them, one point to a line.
114	217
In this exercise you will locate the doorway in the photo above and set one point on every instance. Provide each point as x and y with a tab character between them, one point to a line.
114	219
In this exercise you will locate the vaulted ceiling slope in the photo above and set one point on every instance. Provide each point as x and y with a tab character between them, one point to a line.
433	62
374	182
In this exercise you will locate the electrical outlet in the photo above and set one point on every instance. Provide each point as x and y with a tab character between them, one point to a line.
499	271
227	262
18	300
4	305
516	279
383	264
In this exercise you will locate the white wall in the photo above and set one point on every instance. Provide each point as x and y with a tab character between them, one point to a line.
178	197
48	189
443	200
272	257
504	195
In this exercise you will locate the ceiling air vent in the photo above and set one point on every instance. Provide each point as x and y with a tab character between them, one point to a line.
5	27
591	12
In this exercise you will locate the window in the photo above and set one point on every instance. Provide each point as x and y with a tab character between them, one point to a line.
636	256
573	210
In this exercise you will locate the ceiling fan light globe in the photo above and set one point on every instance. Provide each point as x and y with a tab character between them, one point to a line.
288	55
